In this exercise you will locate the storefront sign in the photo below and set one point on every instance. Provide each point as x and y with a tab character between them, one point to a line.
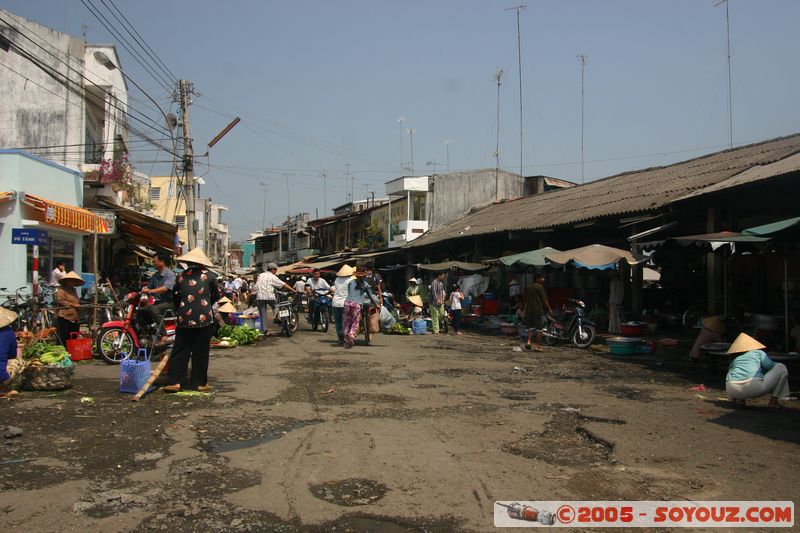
29	236
110	218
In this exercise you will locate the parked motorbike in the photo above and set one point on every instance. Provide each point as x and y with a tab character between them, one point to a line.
570	324
319	310
285	313
119	339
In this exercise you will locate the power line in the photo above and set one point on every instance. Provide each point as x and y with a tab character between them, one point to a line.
141	40
125	44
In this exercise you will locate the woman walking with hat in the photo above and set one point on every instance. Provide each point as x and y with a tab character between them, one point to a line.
68	303
753	374
343	277
196	290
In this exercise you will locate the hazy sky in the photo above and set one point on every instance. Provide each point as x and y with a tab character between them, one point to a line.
319	84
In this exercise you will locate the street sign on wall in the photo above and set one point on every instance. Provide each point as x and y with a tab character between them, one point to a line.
29	236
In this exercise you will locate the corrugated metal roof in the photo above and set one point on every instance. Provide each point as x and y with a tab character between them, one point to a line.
631	192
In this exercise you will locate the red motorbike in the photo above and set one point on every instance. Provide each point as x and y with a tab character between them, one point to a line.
119	339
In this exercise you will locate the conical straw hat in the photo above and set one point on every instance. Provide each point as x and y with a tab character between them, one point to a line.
227	308
714	323
346	271
196	256
74	277
223	300
744	343
416	300
7	316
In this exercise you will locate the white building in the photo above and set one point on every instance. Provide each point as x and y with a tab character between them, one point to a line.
63	100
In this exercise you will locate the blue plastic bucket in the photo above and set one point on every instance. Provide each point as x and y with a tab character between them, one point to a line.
419	327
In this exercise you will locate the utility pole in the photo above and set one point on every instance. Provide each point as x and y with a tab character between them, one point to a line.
402	121
347	180
519	62
583	68
411	136
184	89
447	150
497	76
324	193
730	92
288	197
265	188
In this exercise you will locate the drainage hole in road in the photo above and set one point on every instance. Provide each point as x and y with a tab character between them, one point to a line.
350	492
263	436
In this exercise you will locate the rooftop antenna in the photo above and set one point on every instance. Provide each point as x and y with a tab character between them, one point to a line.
498	76
347	180
730	94
519	65
447	144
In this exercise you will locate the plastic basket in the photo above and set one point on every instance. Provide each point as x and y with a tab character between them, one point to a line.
79	348
134	373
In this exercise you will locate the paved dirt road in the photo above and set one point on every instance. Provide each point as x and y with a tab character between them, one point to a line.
417	433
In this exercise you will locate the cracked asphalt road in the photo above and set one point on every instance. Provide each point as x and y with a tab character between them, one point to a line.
413	433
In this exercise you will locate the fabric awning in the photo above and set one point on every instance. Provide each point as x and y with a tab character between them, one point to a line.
143	230
440	267
64	215
6	196
594	256
774	227
721	236
532	257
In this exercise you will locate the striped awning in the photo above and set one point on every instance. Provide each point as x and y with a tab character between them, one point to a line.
6	196
63	215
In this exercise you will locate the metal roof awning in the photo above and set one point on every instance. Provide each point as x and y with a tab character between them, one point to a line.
447	265
7	196
375	254
143	230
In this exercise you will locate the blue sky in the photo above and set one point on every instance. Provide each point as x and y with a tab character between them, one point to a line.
322	84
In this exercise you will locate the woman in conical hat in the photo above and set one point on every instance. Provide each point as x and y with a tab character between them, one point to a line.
8	349
196	290
68	303
753	374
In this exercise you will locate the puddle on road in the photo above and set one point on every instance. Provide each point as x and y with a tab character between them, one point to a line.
518	395
271	434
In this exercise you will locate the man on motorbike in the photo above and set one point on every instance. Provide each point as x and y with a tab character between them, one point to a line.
314	284
160	287
265	286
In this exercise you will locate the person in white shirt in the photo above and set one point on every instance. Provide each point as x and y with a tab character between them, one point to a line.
300	284
59	272
266	283
340	284
314	284
456	296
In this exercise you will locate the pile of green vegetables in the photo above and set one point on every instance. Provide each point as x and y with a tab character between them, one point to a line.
41	353
400	329
237	335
